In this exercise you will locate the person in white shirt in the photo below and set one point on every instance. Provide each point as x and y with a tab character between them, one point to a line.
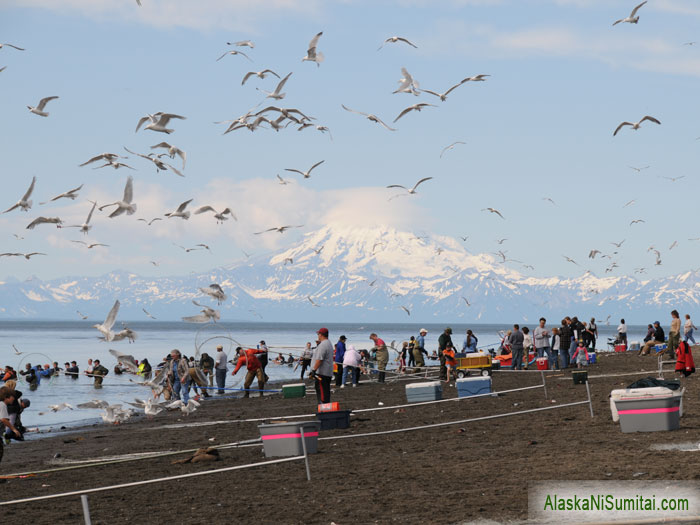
622	333
220	368
7	397
351	363
688	328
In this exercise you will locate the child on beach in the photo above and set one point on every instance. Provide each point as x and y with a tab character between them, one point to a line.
450	361
688	329
580	355
556	345
402	357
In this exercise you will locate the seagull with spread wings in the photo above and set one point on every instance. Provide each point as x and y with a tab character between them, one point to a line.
45	220
172	151
91	246
569	259
312	301
411	191
414	107
70	194
394	39
494	210
277	93
25	255
306	174
214	291
159	164
633	18
636	125
312	55
124	205
260	74
368	116
242	43
219	216
407	84
39	109
106	327
180	212
234	52
12	46
25	202
208	314
158	122
280	229
636	221
448	148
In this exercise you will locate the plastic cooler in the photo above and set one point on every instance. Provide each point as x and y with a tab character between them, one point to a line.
333	420
635	346
659	348
542	363
328	407
620	348
580	376
295	390
648	409
592	358
284	439
473	386
615	395
426	391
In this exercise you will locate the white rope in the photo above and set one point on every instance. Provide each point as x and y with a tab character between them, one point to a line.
613	375
436	425
149	481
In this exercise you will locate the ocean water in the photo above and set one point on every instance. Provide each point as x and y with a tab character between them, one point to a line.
47	341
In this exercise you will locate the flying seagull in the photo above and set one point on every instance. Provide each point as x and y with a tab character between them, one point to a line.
90	246
618	244
12	46
448	148
82	316
233	52
172	151
106	327
569	259
636	221
124	205
312	301
242	43
414	107
215	291
410	191
39	109
280	229
159	122
85	227
219	216
593	253
311	54
394	39
465	301
109	157
277	93
25	255
155	159
494	210
45	220
638	169
154	219
180	212
281	180
406	310
126	360
306	174
260	74
407	84
630	203
633	18
70	194
25	202
369	116
636	125
674	179
549	199
208	314
443	96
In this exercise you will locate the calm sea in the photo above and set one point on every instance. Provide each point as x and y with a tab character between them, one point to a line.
46	341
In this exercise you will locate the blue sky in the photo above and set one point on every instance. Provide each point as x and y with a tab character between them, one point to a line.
562	78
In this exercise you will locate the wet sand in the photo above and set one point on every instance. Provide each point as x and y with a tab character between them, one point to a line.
450	474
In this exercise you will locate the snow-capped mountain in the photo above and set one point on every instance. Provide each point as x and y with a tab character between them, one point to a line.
363	274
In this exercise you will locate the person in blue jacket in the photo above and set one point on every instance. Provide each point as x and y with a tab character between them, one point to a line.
338	360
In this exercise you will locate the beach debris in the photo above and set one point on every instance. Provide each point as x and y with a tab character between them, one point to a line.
380	404
637	474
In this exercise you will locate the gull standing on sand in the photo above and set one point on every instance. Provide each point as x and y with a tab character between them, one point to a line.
219	216
368	116
172	151
215	291
233	52
45	220
632	19
25	202
260	74
159	121
394	39
70	194
186	409
494	210
306	174
106	327
124	205
180	212
414	107
39	109
311	54
277	93
635	125
448	148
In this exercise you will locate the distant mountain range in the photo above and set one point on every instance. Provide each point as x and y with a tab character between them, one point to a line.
358	274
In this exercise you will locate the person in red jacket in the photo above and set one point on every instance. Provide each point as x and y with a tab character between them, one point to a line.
684	363
247	358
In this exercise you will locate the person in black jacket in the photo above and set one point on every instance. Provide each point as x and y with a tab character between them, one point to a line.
565	335
658	339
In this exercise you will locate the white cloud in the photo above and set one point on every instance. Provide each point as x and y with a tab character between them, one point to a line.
233	15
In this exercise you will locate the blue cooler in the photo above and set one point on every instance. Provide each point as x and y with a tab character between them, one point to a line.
426	391
473	386
592	358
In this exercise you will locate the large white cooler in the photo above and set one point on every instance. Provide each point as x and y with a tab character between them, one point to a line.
635	346
647	409
426	391
473	386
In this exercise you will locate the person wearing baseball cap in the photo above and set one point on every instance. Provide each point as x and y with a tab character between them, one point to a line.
322	366
419	349
338	360
220	369
445	337
382	355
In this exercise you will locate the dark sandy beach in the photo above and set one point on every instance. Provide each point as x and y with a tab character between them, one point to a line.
451	474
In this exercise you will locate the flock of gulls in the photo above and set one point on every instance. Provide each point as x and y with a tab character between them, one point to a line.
164	155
